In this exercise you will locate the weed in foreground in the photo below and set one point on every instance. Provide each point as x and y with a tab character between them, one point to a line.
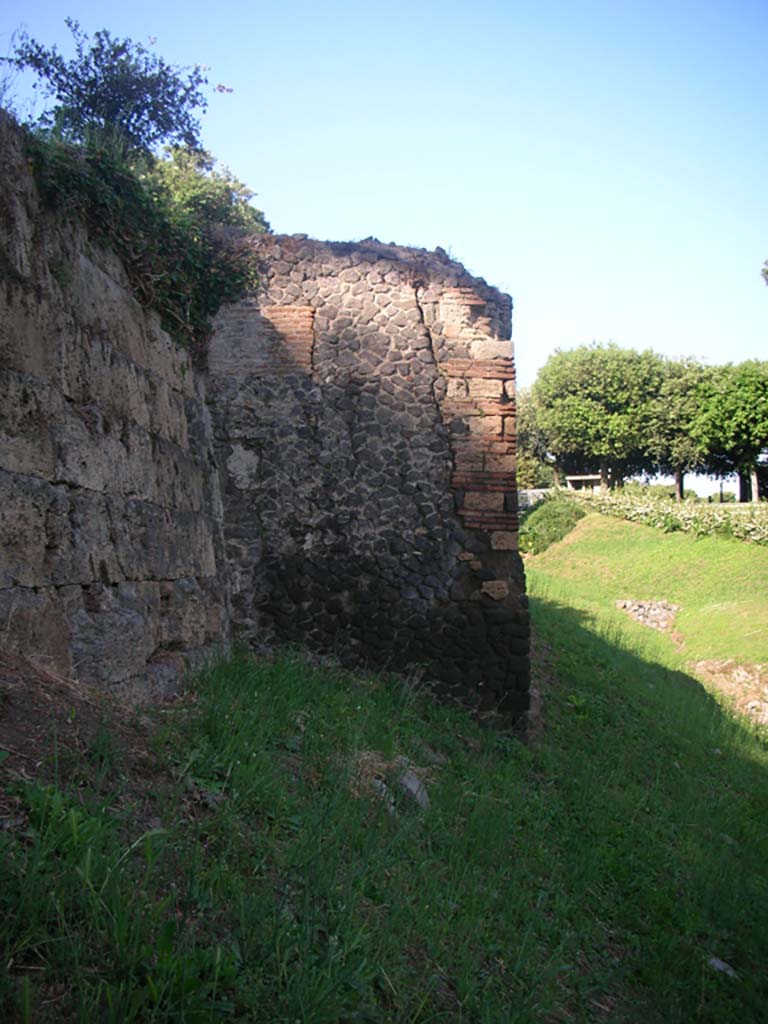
591	876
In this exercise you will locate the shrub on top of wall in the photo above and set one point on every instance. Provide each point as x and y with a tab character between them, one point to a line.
548	522
174	220
176	223
744	522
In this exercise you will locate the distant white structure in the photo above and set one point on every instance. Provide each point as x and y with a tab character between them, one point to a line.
584	482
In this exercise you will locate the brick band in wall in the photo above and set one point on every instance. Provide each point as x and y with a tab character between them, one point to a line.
364	405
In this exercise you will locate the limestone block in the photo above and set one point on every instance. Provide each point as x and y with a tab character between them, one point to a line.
490	348
179	478
479	388
500	463
27	406
127	611
92	372
484	424
113	457
35	623
29	333
79	540
484	500
102	303
504	540
497	589
24	503
457	388
58	536
88	456
189	614
152	543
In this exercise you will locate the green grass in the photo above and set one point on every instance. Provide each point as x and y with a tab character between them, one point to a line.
548	522
720	583
256	876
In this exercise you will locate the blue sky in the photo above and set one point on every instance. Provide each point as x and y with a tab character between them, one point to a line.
602	162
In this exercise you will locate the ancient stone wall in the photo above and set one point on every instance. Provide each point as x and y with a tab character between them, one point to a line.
110	516
343	476
364	409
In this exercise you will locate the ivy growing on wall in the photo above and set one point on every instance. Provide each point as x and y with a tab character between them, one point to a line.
179	225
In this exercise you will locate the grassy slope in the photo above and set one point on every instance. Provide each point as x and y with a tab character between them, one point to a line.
588	877
721	584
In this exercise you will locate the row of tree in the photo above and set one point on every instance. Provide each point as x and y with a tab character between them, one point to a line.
618	412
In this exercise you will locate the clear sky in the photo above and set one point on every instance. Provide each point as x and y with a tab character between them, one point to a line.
604	162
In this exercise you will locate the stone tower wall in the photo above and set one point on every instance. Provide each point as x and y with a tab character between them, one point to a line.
342	475
364	410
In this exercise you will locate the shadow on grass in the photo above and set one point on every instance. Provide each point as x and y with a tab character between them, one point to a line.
662	798
604	676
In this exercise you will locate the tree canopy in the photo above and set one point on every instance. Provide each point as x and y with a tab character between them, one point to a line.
623	412
732	420
115	89
594	406
670	441
534	464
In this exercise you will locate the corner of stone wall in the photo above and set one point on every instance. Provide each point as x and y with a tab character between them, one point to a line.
364	404
477	401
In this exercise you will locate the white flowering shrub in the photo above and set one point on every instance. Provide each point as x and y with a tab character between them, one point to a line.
744	522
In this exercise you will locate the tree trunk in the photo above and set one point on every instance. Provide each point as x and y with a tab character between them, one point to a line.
753	482
679	489
604	483
743	486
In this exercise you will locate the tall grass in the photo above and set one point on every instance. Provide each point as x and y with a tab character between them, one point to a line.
259	875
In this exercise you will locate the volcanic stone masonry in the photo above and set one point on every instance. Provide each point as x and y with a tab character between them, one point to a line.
341	474
364	415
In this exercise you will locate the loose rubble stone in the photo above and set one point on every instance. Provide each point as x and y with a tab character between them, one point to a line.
656	614
722	967
412	786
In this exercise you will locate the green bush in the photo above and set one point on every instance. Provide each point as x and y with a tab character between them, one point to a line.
548	522
744	522
177	224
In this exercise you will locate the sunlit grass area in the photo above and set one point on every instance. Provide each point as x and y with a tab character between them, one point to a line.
720	584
